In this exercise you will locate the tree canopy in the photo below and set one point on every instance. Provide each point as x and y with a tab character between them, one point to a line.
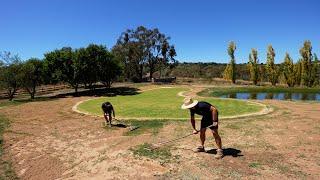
143	50
272	69
230	72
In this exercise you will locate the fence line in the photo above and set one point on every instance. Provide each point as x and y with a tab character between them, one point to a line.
40	90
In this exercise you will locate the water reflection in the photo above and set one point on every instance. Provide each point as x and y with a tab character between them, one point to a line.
304	96
269	96
279	96
233	96
253	95
287	95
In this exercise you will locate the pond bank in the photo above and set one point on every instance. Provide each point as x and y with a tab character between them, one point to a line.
261	93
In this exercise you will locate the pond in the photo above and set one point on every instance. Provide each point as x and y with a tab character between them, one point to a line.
278	96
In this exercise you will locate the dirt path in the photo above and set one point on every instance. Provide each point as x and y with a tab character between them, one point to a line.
47	140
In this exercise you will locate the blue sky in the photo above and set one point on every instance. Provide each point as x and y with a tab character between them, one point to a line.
200	29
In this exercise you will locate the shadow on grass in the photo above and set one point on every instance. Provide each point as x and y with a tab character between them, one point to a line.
227	152
119	125
16	102
137	127
150	126
114	91
123	91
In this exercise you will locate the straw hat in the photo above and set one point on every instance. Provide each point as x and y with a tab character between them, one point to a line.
188	103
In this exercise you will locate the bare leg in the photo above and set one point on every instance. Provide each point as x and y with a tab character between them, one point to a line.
217	138
203	136
110	119
106	117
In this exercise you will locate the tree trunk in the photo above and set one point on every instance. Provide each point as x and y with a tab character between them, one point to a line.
33	92
151	72
233	74
11	94
10	97
141	72
76	89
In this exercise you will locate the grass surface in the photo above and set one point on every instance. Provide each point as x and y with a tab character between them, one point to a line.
163	103
152	126
220	91
16	102
4	103
145	150
6	169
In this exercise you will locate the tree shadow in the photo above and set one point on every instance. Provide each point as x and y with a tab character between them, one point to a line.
109	92
36	99
227	152
114	91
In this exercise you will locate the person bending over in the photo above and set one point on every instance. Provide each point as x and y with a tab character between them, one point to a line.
107	111
209	118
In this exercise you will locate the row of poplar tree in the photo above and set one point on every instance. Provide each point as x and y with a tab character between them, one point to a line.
305	72
136	52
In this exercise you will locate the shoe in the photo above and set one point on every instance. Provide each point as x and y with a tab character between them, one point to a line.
219	154
199	149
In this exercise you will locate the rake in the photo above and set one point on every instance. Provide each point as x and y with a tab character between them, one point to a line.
158	145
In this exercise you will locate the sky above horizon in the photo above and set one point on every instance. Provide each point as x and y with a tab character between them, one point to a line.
199	29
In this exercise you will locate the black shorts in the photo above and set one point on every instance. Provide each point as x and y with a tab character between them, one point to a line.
207	121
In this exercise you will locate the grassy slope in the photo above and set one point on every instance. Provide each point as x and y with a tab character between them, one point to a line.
6	169
163	103
4	103
219	91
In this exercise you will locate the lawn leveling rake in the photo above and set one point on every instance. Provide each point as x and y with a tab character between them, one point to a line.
131	128
158	145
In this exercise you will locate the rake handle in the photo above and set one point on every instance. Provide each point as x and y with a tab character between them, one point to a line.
172	140
115	119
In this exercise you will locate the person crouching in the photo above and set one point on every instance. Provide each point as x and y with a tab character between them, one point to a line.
107	111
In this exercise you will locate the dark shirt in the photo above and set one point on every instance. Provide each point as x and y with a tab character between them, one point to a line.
202	108
107	108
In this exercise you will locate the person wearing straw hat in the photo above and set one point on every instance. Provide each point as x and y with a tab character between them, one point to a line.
209	118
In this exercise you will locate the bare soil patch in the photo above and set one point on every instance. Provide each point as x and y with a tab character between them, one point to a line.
47	140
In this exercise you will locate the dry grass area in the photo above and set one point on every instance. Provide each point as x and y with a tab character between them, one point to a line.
47	140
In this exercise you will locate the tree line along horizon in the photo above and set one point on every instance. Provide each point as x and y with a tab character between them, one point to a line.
144	51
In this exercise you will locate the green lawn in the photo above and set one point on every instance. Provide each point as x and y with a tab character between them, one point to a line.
163	103
220	91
